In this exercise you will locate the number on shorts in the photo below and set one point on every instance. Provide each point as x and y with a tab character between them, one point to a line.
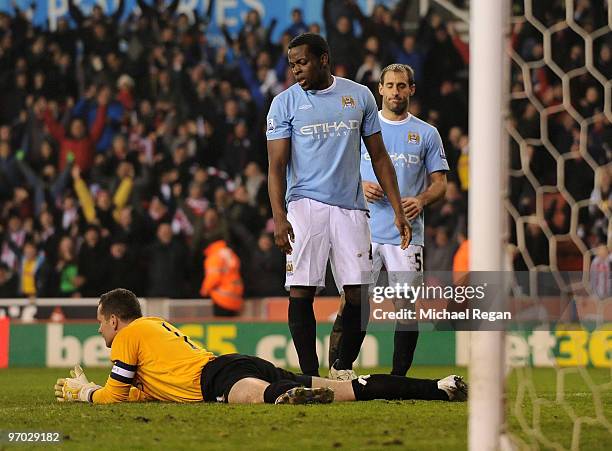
418	261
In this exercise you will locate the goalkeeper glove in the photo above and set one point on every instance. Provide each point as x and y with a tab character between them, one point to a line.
75	388
78	374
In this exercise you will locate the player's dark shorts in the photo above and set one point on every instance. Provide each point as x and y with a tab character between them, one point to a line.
219	376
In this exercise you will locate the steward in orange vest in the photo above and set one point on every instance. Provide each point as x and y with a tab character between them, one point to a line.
222	281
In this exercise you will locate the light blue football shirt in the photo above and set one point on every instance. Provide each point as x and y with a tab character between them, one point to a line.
416	150
325	128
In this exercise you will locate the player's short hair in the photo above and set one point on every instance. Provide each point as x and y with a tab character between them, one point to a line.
317	45
121	303
396	67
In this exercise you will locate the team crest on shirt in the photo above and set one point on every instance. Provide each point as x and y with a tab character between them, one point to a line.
414	138
348	102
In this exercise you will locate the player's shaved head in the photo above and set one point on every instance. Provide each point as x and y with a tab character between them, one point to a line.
120	302
402	68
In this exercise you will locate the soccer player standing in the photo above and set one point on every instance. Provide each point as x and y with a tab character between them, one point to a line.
314	131
416	150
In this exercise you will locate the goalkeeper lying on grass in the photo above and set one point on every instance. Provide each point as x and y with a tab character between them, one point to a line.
153	360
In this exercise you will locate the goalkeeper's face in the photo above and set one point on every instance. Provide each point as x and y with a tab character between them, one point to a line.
395	91
108	327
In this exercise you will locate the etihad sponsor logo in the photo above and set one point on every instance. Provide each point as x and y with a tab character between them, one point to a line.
398	159
305	107
338	128
348	102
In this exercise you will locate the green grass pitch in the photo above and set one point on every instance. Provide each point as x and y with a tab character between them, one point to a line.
27	404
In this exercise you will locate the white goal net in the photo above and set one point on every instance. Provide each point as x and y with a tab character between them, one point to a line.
557	153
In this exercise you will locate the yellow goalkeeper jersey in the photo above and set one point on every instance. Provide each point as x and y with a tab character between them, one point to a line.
153	360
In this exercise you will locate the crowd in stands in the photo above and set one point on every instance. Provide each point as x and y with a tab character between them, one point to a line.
128	146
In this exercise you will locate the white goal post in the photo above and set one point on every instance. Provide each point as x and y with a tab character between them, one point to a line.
488	19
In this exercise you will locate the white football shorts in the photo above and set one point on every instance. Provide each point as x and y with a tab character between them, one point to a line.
402	265
325	232
404	268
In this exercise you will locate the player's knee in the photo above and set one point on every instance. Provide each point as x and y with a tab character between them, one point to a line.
353	294
247	391
401	304
301	310
302	292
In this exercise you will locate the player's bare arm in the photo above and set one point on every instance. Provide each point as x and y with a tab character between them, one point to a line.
385	173
373	192
413	206
278	157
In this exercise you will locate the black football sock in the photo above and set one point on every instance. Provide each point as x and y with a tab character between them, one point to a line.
303	327
387	386
334	340
404	344
352	334
275	389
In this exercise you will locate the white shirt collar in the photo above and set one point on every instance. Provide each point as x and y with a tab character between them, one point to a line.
388	121
326	90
